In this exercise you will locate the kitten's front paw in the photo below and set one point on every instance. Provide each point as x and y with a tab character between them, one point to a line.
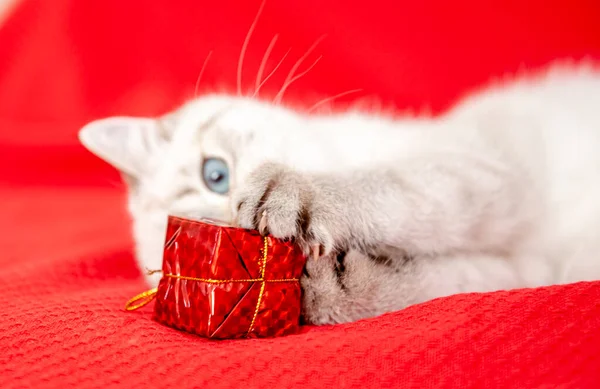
280	202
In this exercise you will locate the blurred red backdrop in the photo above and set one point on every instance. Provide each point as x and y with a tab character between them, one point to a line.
65	62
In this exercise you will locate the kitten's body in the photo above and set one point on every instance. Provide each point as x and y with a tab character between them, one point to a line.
501	192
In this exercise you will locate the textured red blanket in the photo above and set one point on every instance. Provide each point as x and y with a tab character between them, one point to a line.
66	266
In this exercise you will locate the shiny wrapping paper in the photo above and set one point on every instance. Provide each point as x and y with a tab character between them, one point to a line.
216	283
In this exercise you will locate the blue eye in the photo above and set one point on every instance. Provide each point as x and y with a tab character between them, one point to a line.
215	174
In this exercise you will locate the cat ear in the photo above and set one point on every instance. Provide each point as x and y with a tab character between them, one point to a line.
124	142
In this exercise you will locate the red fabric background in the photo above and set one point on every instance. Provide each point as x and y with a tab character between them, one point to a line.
66	266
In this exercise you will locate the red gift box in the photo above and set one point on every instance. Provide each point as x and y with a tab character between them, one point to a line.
224	282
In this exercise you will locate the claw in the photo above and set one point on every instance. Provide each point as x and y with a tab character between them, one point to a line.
262	225
316	251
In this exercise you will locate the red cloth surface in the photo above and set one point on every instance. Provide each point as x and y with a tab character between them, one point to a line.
66	265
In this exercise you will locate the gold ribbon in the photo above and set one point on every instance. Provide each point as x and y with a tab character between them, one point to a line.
146	297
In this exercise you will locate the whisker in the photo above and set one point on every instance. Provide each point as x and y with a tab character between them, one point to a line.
328	99
271	73
290	77
263	64
245	46
293	79
201	73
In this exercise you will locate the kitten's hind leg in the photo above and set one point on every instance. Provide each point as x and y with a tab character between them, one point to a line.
348	286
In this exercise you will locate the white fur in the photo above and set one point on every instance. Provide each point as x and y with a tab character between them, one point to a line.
504	188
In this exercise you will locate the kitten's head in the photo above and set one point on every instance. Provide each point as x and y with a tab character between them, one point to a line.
187	162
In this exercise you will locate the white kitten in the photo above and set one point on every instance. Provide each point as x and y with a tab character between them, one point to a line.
501	192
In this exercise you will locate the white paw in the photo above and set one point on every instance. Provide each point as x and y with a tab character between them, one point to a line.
282	203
